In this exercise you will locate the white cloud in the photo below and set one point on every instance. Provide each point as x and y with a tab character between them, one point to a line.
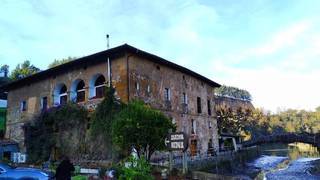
275	68
282	39
285	38
273	88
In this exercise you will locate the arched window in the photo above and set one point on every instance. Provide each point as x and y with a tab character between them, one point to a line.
97	86
77	93
60	95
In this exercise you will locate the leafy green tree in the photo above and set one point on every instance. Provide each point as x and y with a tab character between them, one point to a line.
58	62
5	70
234	92
141	127
225	119
102	120
105	113
23	70
4	79
291	120
230	121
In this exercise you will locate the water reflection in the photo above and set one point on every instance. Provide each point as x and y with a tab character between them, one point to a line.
298	150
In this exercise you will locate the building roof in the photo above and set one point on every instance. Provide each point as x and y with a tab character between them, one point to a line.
101	57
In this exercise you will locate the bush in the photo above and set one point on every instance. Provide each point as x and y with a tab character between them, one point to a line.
59	129
137	169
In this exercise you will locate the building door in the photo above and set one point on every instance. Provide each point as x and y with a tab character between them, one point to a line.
193	147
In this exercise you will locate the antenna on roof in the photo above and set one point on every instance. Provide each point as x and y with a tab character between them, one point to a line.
107	36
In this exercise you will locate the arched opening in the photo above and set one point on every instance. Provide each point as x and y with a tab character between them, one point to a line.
77	93
97	86
60	95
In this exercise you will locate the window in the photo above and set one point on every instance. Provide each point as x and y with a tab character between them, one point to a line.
23	106
96	86
137	86
44	103
63	95
199	104
174	121
210	144
100	86
210	124
193	127
209	108
80	92
60	94
184	98
148	89
167	94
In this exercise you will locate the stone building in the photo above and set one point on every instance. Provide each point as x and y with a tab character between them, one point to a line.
183	95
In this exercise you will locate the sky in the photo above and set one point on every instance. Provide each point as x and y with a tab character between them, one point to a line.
269	47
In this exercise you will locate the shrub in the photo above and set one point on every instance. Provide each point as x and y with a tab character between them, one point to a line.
59	128
136	169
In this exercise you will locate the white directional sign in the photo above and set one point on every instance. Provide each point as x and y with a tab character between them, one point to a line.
176	141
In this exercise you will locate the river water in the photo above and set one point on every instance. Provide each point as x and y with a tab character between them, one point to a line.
287	161
275	162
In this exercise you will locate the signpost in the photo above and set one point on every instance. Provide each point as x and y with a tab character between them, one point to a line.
177	141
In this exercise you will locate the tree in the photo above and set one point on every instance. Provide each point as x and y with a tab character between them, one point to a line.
141	127
23	70
58	62
102	119
230	121
225	119
234	92
5	70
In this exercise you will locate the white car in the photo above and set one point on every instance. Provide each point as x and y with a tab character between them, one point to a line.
9	172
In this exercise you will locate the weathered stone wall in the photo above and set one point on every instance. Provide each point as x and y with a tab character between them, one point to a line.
233	103
142	73
33	93
159	77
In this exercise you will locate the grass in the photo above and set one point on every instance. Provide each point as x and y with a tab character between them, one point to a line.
79	177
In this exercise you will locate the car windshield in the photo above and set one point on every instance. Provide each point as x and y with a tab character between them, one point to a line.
7	166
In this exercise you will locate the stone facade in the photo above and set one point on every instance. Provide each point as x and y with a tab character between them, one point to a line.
233	103
174	90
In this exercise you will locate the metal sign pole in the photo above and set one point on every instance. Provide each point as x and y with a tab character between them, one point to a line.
184	163
177	141
170	161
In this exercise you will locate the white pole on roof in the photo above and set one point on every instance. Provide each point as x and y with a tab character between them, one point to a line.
108	61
